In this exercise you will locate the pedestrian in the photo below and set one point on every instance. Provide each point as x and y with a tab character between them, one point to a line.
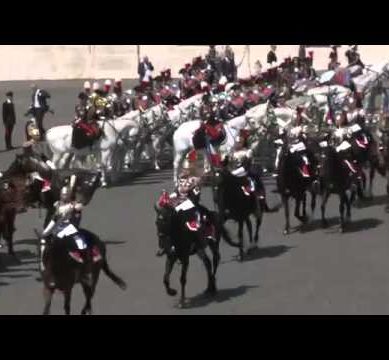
145	71
9	119
353	56
87	88
229	69
302	52
272	56
334	60
39	107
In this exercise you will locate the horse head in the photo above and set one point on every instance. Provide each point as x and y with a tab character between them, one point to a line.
86	185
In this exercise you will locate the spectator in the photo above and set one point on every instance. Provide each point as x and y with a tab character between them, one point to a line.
229	69
145	71
214	64
87	88
9	119
272	56
353	56
258	69
39	107
334	60
302	52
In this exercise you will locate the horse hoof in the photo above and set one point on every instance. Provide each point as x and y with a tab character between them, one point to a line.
324	224
286	232
210	292
171	292
183	304
342	230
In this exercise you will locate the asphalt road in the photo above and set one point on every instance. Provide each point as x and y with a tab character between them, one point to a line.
315	272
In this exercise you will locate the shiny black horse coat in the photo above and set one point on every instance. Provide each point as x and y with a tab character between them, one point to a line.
183	233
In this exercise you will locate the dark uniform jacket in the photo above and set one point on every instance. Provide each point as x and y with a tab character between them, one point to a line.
9	116
271	57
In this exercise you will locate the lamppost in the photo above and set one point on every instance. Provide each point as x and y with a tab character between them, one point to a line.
138	52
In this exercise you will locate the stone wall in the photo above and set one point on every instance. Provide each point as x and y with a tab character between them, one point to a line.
52	62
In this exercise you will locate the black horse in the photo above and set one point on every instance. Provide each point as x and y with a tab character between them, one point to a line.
366	152
184	230
62	273
296	177
236	202
338	175
87	182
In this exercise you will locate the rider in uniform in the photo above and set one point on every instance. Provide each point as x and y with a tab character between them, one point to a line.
189	187
239	164
68	212
82	107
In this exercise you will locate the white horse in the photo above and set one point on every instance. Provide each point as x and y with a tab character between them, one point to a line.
370	77
158	126
183	140
116	134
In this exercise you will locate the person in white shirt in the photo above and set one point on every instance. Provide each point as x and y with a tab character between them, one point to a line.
145	71
39	108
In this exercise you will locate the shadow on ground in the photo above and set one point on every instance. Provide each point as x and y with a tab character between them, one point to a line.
334	225
111	242
375	201
221	297
150	178
270	252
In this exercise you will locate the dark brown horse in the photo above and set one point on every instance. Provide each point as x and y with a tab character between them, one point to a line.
62	273
13	187
18	192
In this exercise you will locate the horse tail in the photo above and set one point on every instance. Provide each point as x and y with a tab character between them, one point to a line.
116	279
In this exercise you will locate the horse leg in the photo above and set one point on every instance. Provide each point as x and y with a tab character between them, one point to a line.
214	246
184	271
48	296
9	232
298	203
178	159
156	152
371	180
68	296
258	224
304	203
57	160
324	200
240	236
349	200
211	288
170	261
313	204
88	292
250	231
105	164
285	202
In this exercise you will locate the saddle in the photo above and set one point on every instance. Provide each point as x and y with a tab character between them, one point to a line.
215	133
85	135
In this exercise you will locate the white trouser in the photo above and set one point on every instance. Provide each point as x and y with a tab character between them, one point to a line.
239	172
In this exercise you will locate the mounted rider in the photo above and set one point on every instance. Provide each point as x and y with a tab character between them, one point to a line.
86	129
211	132
239	163
188	189
65	224
119	100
